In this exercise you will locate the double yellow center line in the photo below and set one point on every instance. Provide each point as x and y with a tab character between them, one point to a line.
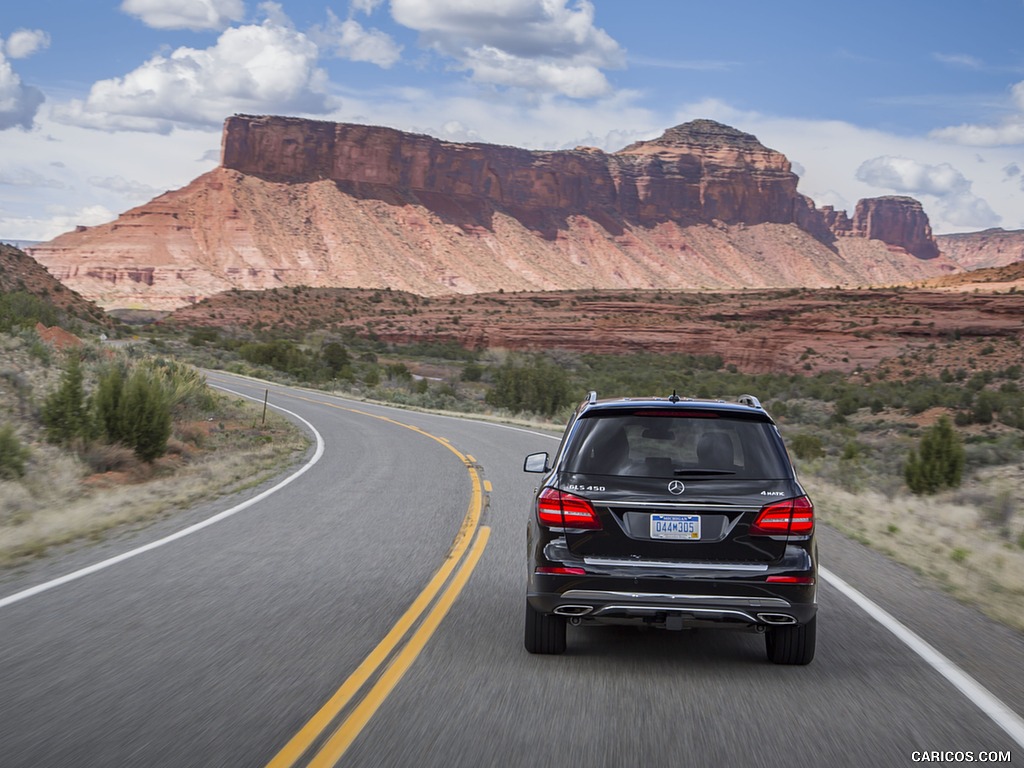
337	724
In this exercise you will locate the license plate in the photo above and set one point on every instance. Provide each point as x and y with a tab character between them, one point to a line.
675	527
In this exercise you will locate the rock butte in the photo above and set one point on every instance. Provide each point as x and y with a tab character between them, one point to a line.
301	202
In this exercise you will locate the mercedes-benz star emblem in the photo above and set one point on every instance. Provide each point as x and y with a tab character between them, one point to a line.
676	487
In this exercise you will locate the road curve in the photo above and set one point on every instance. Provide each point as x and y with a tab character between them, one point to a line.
227	647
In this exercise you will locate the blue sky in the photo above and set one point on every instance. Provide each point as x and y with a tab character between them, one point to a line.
105	105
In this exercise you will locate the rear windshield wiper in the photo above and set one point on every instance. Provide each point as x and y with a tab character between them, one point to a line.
691	472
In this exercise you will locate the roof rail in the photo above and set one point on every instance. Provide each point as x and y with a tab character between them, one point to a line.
750	400
592	397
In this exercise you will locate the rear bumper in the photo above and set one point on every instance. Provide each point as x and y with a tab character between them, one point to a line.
668	608
674	593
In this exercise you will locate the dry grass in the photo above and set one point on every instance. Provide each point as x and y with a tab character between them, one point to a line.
952	538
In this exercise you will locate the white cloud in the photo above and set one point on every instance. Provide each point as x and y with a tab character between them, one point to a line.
693	65
498	67
901	174
1009	131
959	205
39	229
81	176
961	60
134	191
350	40
27	177
185	14
24	42
540	44
254	69
365	6
19	103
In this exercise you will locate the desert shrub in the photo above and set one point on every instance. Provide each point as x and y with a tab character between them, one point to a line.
134	409
185	387
397	372
106	403
999	511
984	405
937	462
280	354
107	457
806	446
988	452
533	385
64	411
145	416
201	336
472	372
20	309
13	455
336	359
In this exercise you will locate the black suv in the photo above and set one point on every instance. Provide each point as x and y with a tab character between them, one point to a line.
672	512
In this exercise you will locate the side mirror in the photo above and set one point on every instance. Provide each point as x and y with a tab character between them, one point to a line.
536	462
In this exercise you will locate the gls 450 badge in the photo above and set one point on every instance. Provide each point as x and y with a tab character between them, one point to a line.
585	488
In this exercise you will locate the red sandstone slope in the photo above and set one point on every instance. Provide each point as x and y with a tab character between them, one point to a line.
19	272
990	248
301	202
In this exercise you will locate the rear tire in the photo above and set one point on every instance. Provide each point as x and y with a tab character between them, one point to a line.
545	632
793	644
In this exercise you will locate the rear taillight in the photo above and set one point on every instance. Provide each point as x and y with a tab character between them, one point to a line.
558	509
562	570
790	516
790	580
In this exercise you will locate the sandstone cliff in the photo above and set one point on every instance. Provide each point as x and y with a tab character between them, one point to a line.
895	220
300	202
699	172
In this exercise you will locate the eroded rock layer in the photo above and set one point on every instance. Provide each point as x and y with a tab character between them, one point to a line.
300	202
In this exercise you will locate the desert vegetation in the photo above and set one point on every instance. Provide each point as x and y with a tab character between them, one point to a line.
918	453
95	438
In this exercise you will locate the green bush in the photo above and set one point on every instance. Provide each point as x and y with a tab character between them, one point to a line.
106	404
64	412
184	386
134	409
20	309
938	462
807	446
336	358
145	416
13	455
535	385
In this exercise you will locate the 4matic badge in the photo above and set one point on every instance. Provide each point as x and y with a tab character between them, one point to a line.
676	487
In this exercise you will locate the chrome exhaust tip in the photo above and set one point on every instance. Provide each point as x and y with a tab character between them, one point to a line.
573	610
775	619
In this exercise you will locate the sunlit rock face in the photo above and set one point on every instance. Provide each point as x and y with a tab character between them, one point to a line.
302	202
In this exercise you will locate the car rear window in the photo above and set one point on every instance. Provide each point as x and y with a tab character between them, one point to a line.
661	444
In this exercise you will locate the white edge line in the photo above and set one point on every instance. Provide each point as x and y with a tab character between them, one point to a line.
75	575
996	710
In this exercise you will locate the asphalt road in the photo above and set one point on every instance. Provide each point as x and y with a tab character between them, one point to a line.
370	612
